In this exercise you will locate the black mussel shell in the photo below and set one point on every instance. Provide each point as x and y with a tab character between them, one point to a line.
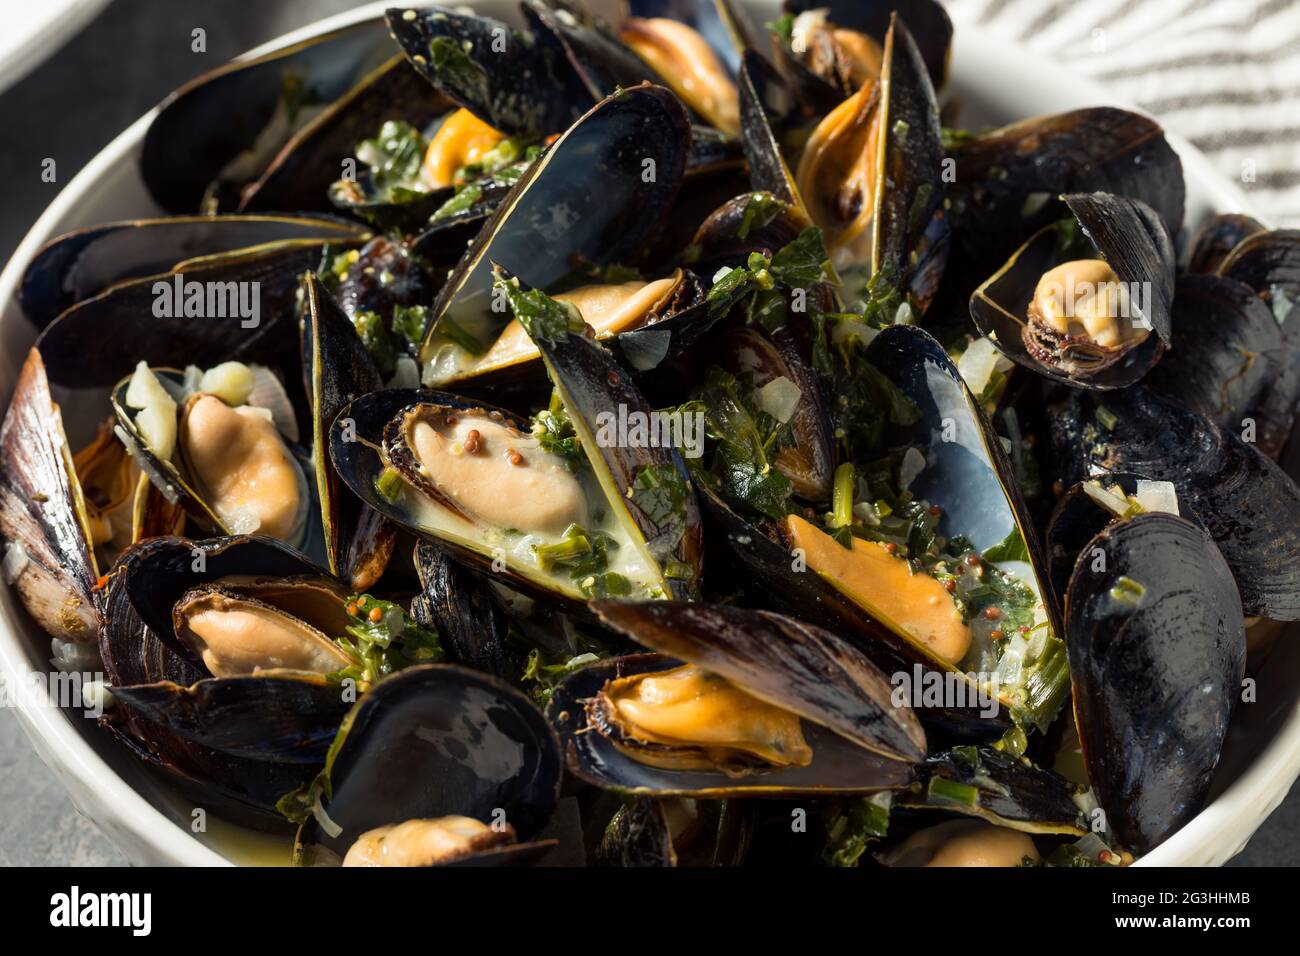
809	463
767	108
300	176
1217	237
430	741
79	265
196	136
926	20
1007	182
785	662
338	369
1132	239
1079	517
838	766
591	179
517	82
1246	502
459	604
1225	353
911	231
278	719
1006	790
654	488
157	573
108	326
1157	655
1269	262
42	512
601	61
242	789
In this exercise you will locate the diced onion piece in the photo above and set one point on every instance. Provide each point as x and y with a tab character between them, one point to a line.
1112	501
156	425
779	398
913	464
232	382
978	363
145	391
1157	496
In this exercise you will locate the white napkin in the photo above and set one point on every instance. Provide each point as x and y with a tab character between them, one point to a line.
1224	74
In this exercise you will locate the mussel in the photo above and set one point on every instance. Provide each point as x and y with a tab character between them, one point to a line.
556	220
1086	301
263	658
871	176
926	527
437	764
1157	654
755	703
220	442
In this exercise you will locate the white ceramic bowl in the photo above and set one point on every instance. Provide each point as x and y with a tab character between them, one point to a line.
151	825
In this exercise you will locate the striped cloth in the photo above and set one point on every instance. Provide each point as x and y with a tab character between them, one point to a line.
1224	74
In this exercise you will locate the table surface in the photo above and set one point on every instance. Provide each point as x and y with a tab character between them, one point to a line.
124	62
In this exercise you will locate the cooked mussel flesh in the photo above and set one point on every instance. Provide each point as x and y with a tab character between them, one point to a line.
1078	302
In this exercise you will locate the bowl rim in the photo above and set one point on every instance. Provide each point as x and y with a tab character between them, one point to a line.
1223	825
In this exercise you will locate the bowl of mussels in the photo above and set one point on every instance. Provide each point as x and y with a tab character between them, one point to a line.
549	434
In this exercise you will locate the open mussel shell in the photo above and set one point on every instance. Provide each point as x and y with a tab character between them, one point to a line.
278	716
1269	262
1007	182
1246	502
592	179
338	369
783	661
355	449
1005	790
601	61
926	20
968	475
49	559
496	72
1132	240
910	237
197	148
1225	352
430	741
838	765
279	719
195	309
183	484
1218	236
645	484
1157	654
767	110
809	462
82	264
299	177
